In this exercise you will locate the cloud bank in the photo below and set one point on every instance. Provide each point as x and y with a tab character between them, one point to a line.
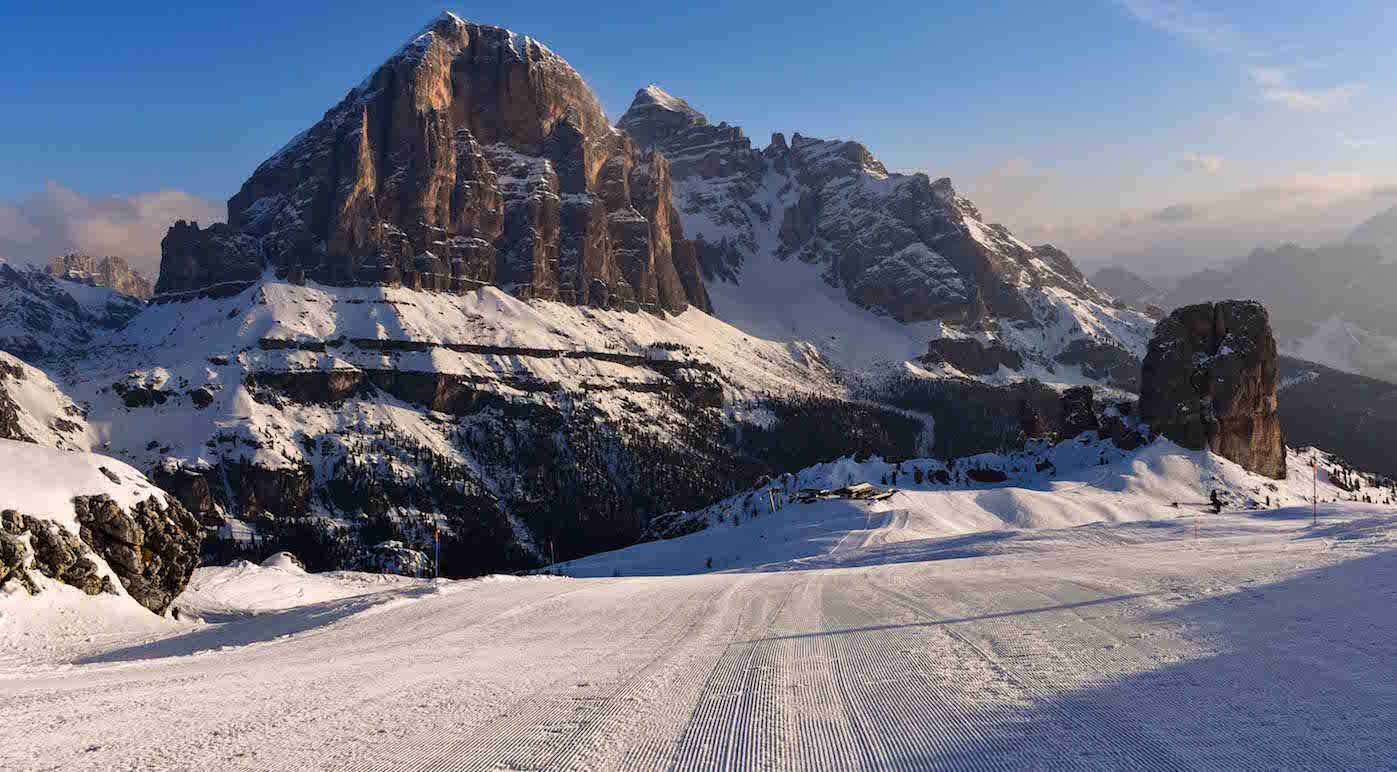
1310	210
56	219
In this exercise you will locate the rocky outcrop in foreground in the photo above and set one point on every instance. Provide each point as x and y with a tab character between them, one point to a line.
113	273
32	544
473	156
152	549
1209	381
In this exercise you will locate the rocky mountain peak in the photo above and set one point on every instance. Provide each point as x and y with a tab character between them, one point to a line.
472	156
655	115
114	273
899	244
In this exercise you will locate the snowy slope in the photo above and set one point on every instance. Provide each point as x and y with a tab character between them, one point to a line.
783	225
34	409
487	336
1159	482
41	316
1107	646
42	481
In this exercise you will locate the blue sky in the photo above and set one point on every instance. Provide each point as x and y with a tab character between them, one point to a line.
1120	129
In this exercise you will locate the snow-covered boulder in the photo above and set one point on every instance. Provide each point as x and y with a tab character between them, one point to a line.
91	522
394	557
286	562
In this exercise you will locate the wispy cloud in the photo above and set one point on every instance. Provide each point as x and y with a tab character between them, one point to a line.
1196	25
1356	143
1207	162
1193	234
1270	76
1312	100
1209	31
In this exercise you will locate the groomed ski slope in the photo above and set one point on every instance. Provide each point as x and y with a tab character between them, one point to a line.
1091	483
1260	643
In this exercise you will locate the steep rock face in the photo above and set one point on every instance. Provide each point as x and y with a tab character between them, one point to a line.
473	156
1209	380
114	273
33	544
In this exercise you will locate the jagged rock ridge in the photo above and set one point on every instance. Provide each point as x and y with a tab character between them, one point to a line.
901	244
473	156
114	273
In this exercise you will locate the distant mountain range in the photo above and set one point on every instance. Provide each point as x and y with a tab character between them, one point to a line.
1335	305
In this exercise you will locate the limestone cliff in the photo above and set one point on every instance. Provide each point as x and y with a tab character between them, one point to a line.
473	156
1209	380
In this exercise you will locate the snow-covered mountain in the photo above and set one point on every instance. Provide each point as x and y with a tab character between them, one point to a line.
498	326
41	316
815	240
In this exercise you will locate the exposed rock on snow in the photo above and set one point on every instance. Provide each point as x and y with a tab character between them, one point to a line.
86	520
153	548
33	409
1210	380
33	544
394	557
472	156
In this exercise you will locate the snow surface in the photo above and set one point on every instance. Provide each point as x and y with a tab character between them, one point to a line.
1051	621
1260	643
42	481
275	585
45	414
1346	347
1158	482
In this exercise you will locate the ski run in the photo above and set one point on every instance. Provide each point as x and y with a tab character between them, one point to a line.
840	634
